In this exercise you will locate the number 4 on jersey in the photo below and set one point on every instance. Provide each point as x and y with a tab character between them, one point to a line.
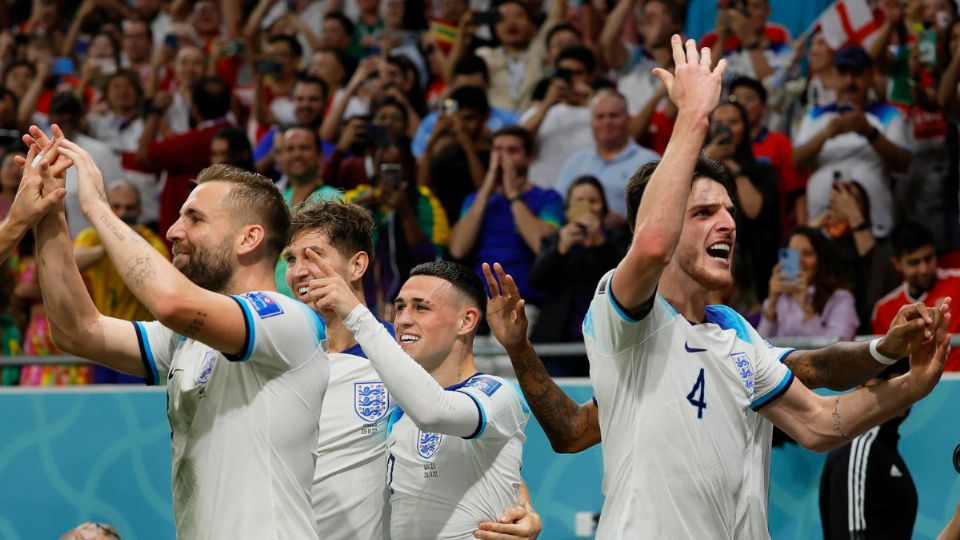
695	399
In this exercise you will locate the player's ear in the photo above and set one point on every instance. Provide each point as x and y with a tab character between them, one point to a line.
249	238
358	265
469	320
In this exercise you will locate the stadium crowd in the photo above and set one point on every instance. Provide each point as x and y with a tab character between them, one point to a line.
504	131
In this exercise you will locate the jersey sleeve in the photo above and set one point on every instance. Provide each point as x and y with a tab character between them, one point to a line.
157	343
610	329
280	332
503	410
771	377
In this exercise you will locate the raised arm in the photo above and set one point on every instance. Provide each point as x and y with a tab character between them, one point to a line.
429	405
820	423
464	234
695	90
180	305
30	204
611	47
571	427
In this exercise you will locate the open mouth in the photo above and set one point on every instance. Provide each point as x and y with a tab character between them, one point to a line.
406	339
720	251
302	291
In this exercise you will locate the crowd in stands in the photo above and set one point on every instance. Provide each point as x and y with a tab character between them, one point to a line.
506	131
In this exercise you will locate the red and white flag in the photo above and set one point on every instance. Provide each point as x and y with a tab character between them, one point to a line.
847	22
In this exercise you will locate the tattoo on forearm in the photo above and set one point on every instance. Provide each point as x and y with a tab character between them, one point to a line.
117	231
140	269
195	325
837	421
554	409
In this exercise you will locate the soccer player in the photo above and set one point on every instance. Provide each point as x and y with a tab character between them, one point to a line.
349	486
678	384
456	440
243	366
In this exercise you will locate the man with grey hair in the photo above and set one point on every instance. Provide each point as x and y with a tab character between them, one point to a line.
615	155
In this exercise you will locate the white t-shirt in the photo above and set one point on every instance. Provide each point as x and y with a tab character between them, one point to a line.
681	439
350	484
565	129
442	486
854	157
638	84
244	429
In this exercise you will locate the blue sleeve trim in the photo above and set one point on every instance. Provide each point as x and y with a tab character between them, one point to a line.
783	354
395	417
482	423
623	312
775	393
152	378
249	334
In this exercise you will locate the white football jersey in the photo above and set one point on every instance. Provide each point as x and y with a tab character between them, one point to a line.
350	483
442	486
681	439
244	428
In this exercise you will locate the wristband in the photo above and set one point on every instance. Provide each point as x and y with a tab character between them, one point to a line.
872	136
878	356
512	200
861	227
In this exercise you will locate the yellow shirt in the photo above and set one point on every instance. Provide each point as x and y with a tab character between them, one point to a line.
109	292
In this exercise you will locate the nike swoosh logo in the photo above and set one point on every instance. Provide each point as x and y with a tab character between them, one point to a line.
170	375
690	349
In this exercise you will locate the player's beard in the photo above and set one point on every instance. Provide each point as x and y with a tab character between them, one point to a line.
693	263
210	268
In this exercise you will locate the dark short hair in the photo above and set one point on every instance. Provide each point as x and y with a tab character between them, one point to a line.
471	64
14	65
389	101
523	5
211	97
239	153
315	135
310	79
579	53
562	27
291	42
852	58
471	97
349	227
254	198
131	76
676	10
65	103
463	279
908	237
344	21
587	180
520	133
752	84
705	168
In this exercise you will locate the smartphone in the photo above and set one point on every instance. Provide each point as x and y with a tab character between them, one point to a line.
487	17
267	67
391	174
564	74
171	40
577	210
62	65
789	262
722	134
234	47
927	45
449	106
376	134
292	6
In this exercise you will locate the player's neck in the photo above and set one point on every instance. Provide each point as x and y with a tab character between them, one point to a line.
684	294
458	366
250	278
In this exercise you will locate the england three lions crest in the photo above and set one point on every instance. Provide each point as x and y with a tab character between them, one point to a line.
428	444
370	400
741	362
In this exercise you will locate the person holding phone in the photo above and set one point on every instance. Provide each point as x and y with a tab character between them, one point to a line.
411	225
807	296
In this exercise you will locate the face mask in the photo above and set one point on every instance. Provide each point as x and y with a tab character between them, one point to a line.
129	219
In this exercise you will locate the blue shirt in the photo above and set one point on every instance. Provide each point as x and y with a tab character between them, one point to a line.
499	241
613	174
498	118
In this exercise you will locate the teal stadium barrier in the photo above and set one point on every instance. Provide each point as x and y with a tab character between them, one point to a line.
103	454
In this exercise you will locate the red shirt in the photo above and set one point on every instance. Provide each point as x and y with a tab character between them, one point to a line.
774	33
776	150
947	284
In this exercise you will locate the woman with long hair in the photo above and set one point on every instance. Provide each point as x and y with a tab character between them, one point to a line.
813	301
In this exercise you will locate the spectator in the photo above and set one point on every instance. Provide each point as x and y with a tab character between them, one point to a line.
137	47
369	25
757	199
17	76
813	302
507	219
753	46
334	67
120	126
774	149
560	120
182	156
188	68
346	168
338	33
863	141
915	258
68	112
309	100
561	36
10	176
411	225
468	71
458	150
864	259
568	267
614	157
109	293
516	64
274	78
302	155
231	146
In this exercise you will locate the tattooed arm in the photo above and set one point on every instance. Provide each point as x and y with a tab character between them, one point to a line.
820	423
178	303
